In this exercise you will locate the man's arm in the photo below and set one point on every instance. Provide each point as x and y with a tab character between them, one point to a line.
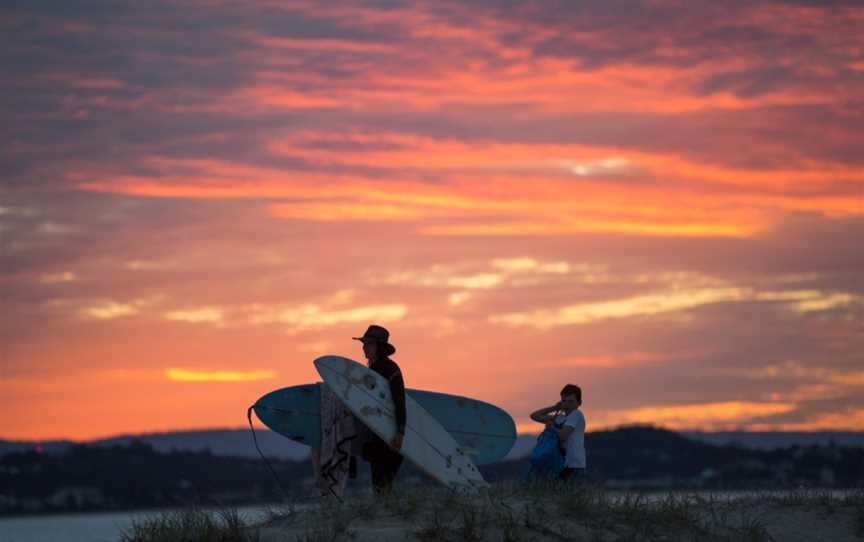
570	425
397	391
545	415
565	432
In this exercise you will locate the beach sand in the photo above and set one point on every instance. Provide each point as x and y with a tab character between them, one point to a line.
590	514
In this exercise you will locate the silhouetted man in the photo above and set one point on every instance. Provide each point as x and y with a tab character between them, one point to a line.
384	457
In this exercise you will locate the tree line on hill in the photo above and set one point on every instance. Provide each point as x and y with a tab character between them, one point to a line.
135	475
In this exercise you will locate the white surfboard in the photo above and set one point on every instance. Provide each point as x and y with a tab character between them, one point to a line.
426	444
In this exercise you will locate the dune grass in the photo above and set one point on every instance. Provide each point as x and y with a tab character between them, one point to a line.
512	513
192	525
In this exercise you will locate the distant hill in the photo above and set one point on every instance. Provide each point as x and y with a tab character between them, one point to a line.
756	440
47	446
238	442
222	442
222	466
770	440
229	442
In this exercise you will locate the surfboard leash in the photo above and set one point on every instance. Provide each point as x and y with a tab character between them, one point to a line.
266	461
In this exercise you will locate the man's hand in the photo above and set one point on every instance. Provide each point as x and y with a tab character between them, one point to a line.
396	442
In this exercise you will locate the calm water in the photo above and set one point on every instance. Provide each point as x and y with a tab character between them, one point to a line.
104	527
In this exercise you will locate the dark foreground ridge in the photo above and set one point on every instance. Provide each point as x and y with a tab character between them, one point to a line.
513	513
135	475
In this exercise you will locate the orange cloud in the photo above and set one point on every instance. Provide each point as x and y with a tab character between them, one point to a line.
186	375
55	278
314	316
613	360
204	314
345	211
504	204
592	226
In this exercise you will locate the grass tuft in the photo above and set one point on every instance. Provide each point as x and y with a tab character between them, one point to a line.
191	525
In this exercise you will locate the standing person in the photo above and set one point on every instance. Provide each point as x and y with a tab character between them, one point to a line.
384	457
569	423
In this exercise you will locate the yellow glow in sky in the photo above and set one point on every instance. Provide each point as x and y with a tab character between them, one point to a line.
184	375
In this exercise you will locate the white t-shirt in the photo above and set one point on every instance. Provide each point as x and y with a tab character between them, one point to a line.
576	441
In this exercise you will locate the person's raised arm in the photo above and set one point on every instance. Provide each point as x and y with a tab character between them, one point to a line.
546	415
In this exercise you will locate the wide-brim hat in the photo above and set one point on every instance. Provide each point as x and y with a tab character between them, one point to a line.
380	335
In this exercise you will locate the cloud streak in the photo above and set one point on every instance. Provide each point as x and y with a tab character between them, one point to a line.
671	301
185	375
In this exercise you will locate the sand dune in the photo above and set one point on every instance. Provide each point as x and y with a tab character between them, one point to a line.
511	514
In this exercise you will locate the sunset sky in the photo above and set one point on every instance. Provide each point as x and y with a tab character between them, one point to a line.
660	201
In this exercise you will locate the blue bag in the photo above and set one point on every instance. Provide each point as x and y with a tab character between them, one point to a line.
546	458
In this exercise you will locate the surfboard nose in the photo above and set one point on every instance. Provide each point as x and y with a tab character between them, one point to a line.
321	364
325	362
